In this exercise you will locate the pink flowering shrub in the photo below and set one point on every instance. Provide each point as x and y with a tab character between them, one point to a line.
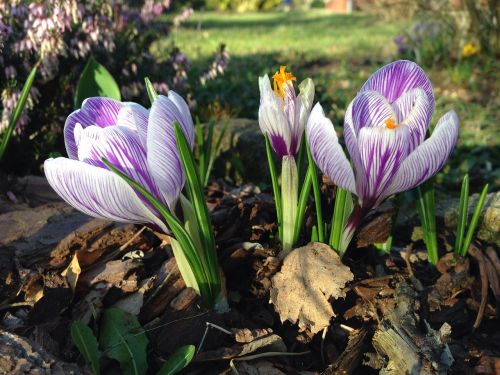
61	35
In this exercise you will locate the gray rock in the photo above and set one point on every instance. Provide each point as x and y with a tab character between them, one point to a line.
489	223
243	152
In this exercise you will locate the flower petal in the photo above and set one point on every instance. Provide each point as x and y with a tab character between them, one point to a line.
162	154
381	151
368	109
428	158
185	119
97	111
413	110
398	77
273	123
135	117
292	114
97	192
121	147
272	120
326	150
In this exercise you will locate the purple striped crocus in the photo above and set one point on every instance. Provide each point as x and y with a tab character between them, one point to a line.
282	113
139	142
384	130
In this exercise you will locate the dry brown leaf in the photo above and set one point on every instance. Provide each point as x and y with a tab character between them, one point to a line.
72	272
309	277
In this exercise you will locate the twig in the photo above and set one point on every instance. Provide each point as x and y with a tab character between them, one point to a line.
125	245
473	250
211	325
263	355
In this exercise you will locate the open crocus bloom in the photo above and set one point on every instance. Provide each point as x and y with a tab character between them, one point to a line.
384	130
283	114
141	144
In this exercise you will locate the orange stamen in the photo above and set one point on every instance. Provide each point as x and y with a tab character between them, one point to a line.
280	79
391	124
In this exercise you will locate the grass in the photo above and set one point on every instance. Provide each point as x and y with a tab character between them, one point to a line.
339	52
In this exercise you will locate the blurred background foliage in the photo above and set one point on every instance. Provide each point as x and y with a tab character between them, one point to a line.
212	52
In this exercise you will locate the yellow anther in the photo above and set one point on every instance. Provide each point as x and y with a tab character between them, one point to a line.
280	79
391	124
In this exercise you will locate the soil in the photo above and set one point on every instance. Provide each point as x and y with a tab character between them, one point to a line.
399	315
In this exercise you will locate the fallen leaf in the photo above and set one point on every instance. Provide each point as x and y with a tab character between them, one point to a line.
309	277
72	272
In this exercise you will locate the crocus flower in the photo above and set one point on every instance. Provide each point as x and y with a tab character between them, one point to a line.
141	144
282	118
283	114
384	130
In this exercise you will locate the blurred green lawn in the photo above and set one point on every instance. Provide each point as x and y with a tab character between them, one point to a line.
339	52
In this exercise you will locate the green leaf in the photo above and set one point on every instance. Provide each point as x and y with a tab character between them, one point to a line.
123	338
342	209
180	234
14	118
195	194
301	208
215	152
95	81
152	94
427	211
276	190
462	214
177	361
475	219
86	342
317	194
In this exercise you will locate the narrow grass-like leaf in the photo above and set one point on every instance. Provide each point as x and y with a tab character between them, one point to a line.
342	209
195	193
177	361
302	205
184	267
200	141
314	234
462	214
301	160
427	211
208	146
86	342
152	94
276	189
317	194
95	80
18	109
475	219
215	151
180	233
122	338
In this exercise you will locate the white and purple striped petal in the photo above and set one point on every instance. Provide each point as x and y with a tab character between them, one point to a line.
381	151
396	78
97	192
162	155
413	109
326	150
102	112
121	146
283	119
428	158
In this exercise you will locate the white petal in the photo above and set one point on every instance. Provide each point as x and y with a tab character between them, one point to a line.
97	192
326	150
428	158
382	151
414	110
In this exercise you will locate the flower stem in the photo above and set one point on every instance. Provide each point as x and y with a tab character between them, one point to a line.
289	196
